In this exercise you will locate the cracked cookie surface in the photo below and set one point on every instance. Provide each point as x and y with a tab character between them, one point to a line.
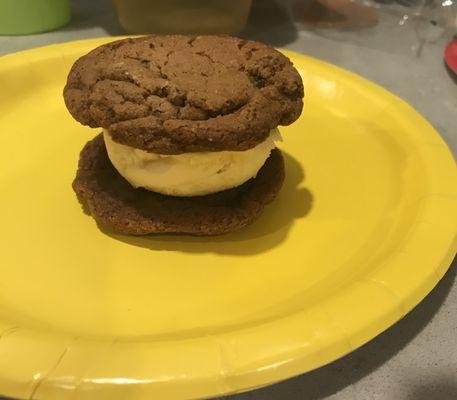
116	205
177	94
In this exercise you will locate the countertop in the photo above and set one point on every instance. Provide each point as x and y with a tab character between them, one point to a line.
416	359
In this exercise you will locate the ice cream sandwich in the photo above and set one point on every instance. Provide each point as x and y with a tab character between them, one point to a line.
189	131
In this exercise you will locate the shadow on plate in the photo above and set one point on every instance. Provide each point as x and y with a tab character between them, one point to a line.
323	382
271	229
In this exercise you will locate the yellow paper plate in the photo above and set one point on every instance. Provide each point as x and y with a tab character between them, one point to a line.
363	229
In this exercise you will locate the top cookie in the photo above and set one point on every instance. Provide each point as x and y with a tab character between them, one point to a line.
177	94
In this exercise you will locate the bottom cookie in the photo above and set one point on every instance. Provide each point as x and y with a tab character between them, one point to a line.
119	207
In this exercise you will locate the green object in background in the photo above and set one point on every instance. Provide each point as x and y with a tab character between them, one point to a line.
20	17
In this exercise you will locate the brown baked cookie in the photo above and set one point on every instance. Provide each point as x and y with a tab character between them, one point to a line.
116	205
177	94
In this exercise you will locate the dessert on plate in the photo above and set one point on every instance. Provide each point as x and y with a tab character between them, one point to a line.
189	131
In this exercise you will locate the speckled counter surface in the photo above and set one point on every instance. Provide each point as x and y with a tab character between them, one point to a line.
417	358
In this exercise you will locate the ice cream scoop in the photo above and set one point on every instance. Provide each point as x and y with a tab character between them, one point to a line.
189	174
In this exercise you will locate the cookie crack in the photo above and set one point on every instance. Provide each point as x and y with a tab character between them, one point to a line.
241	44
250	53
163	75
143	61
211	59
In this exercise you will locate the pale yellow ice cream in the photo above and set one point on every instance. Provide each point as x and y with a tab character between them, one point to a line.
189	174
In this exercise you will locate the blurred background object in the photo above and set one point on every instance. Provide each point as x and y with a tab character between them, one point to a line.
335	14
365	22
450	56
20	17
183	16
